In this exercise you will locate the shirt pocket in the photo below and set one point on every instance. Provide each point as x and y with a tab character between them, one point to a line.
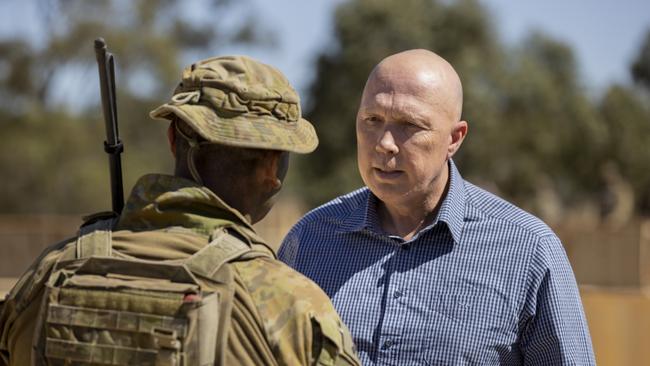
478	309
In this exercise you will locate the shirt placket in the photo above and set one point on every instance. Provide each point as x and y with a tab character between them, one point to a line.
395	292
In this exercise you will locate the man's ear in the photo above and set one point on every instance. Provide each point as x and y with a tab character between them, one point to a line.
458	133
171	136
269	171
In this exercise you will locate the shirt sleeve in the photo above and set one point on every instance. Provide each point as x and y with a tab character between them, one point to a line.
288	251
555	331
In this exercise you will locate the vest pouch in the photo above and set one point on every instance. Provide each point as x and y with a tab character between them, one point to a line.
110	311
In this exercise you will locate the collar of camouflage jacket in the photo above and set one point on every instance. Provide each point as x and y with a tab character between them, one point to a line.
159	201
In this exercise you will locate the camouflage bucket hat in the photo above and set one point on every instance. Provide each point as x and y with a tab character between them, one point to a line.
237	101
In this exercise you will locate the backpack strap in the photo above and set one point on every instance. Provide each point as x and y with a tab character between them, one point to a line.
223	248
208	263
95	238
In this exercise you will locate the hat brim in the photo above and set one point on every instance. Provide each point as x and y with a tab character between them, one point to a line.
261	132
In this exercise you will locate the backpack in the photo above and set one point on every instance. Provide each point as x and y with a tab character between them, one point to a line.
100	309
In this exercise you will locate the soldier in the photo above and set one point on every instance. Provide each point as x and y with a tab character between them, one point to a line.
180	277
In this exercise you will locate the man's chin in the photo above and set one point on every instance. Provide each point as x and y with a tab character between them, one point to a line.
388	192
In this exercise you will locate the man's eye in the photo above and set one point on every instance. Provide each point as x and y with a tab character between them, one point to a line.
413	125
372	119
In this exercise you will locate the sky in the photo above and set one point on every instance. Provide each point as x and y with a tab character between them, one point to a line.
604	34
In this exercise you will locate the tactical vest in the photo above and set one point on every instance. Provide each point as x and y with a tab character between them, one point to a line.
101	309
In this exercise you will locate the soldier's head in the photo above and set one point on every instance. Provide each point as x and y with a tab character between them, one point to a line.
233	123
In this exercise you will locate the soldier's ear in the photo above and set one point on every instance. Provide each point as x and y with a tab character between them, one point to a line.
271	170
171	136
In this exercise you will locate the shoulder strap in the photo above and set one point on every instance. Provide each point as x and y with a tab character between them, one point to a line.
223	248
95	239
209	263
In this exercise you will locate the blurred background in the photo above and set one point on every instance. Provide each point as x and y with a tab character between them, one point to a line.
557	95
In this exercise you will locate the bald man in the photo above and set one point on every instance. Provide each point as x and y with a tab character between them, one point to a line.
423	266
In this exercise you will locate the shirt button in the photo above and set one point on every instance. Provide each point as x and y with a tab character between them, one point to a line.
397	294
405	246
388	344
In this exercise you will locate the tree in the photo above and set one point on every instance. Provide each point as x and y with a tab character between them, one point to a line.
536	137
549	132
641	66
627	119
51	158
367	31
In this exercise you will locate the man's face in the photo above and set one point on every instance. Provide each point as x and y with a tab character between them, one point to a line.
404	133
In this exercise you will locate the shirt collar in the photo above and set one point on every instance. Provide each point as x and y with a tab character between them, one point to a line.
357	219
452	210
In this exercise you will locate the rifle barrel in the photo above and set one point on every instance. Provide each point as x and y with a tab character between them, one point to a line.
112	145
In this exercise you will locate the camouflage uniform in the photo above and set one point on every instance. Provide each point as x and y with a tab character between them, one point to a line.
278	316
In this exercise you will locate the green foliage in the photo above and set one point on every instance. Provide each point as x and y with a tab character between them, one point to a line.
627	118
533	127
52	158
367	31
641	66
541	112
44	163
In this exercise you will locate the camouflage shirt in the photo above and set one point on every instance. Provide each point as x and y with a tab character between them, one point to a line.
279	317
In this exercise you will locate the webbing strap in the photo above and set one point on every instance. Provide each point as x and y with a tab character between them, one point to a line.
95	239
222	249
125	321
108	354
194	147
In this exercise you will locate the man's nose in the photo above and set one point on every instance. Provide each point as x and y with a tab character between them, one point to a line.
386	143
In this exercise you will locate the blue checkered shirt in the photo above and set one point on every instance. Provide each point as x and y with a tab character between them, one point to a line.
485	284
